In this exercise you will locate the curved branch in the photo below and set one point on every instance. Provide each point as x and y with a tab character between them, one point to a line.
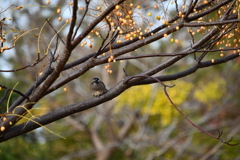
14	90
189	71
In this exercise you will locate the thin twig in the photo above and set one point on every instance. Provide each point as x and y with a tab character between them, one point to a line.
172	54
14	70
72	25
14	90
55	31
194	24
100	48
91	26
81	21
190	9
185	117
125	72
4	96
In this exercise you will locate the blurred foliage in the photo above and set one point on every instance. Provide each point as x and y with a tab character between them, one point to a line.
29	148
210	91
151	99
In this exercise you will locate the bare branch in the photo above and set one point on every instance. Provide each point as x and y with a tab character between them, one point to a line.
192	24
27	66
191	70
14	90
81	21
94	23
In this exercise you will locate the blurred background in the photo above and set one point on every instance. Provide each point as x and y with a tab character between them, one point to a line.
139	124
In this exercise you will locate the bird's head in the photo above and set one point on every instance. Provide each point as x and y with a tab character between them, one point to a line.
95	80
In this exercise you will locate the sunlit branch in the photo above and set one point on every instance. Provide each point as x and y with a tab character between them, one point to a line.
194	24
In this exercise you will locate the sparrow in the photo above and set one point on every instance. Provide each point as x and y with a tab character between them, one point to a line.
97	87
